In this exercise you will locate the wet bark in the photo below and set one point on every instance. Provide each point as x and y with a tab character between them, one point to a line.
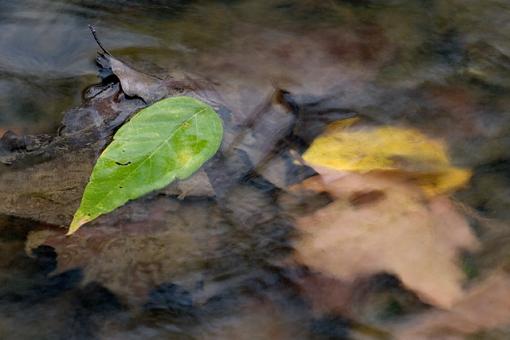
42	177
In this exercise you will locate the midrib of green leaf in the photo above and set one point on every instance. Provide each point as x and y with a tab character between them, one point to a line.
165	141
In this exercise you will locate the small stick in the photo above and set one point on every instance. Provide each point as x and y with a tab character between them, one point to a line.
93	30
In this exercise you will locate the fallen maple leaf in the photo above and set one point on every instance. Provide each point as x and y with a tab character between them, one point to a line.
382	223
485	306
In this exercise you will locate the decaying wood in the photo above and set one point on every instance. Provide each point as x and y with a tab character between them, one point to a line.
44	181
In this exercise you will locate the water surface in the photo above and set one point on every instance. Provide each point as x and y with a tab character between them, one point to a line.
441	67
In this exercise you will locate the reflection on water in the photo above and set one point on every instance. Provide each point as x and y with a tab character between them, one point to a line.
213	270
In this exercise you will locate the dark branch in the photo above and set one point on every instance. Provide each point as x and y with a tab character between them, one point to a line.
94	34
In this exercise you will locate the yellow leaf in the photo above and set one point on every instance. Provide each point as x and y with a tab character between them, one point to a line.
390	149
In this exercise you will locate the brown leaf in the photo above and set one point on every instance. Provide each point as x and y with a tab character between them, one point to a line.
485	306
144	244
380	223
134	83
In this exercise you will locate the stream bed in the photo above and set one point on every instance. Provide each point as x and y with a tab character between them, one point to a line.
208	265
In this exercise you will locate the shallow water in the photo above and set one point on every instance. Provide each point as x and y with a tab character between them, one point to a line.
441	67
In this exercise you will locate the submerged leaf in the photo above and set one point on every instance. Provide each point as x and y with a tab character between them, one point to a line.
485	306
168	140
380	224
167	240
398	150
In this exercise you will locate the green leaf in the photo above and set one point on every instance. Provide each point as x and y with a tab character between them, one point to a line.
168	140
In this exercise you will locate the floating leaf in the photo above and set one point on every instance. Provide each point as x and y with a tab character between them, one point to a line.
390	149
168	140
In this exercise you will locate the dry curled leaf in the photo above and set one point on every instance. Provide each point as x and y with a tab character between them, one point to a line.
134	83
379	223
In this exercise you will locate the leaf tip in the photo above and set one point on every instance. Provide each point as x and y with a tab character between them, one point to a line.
77	222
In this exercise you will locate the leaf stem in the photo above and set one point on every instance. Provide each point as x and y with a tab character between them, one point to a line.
94	34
